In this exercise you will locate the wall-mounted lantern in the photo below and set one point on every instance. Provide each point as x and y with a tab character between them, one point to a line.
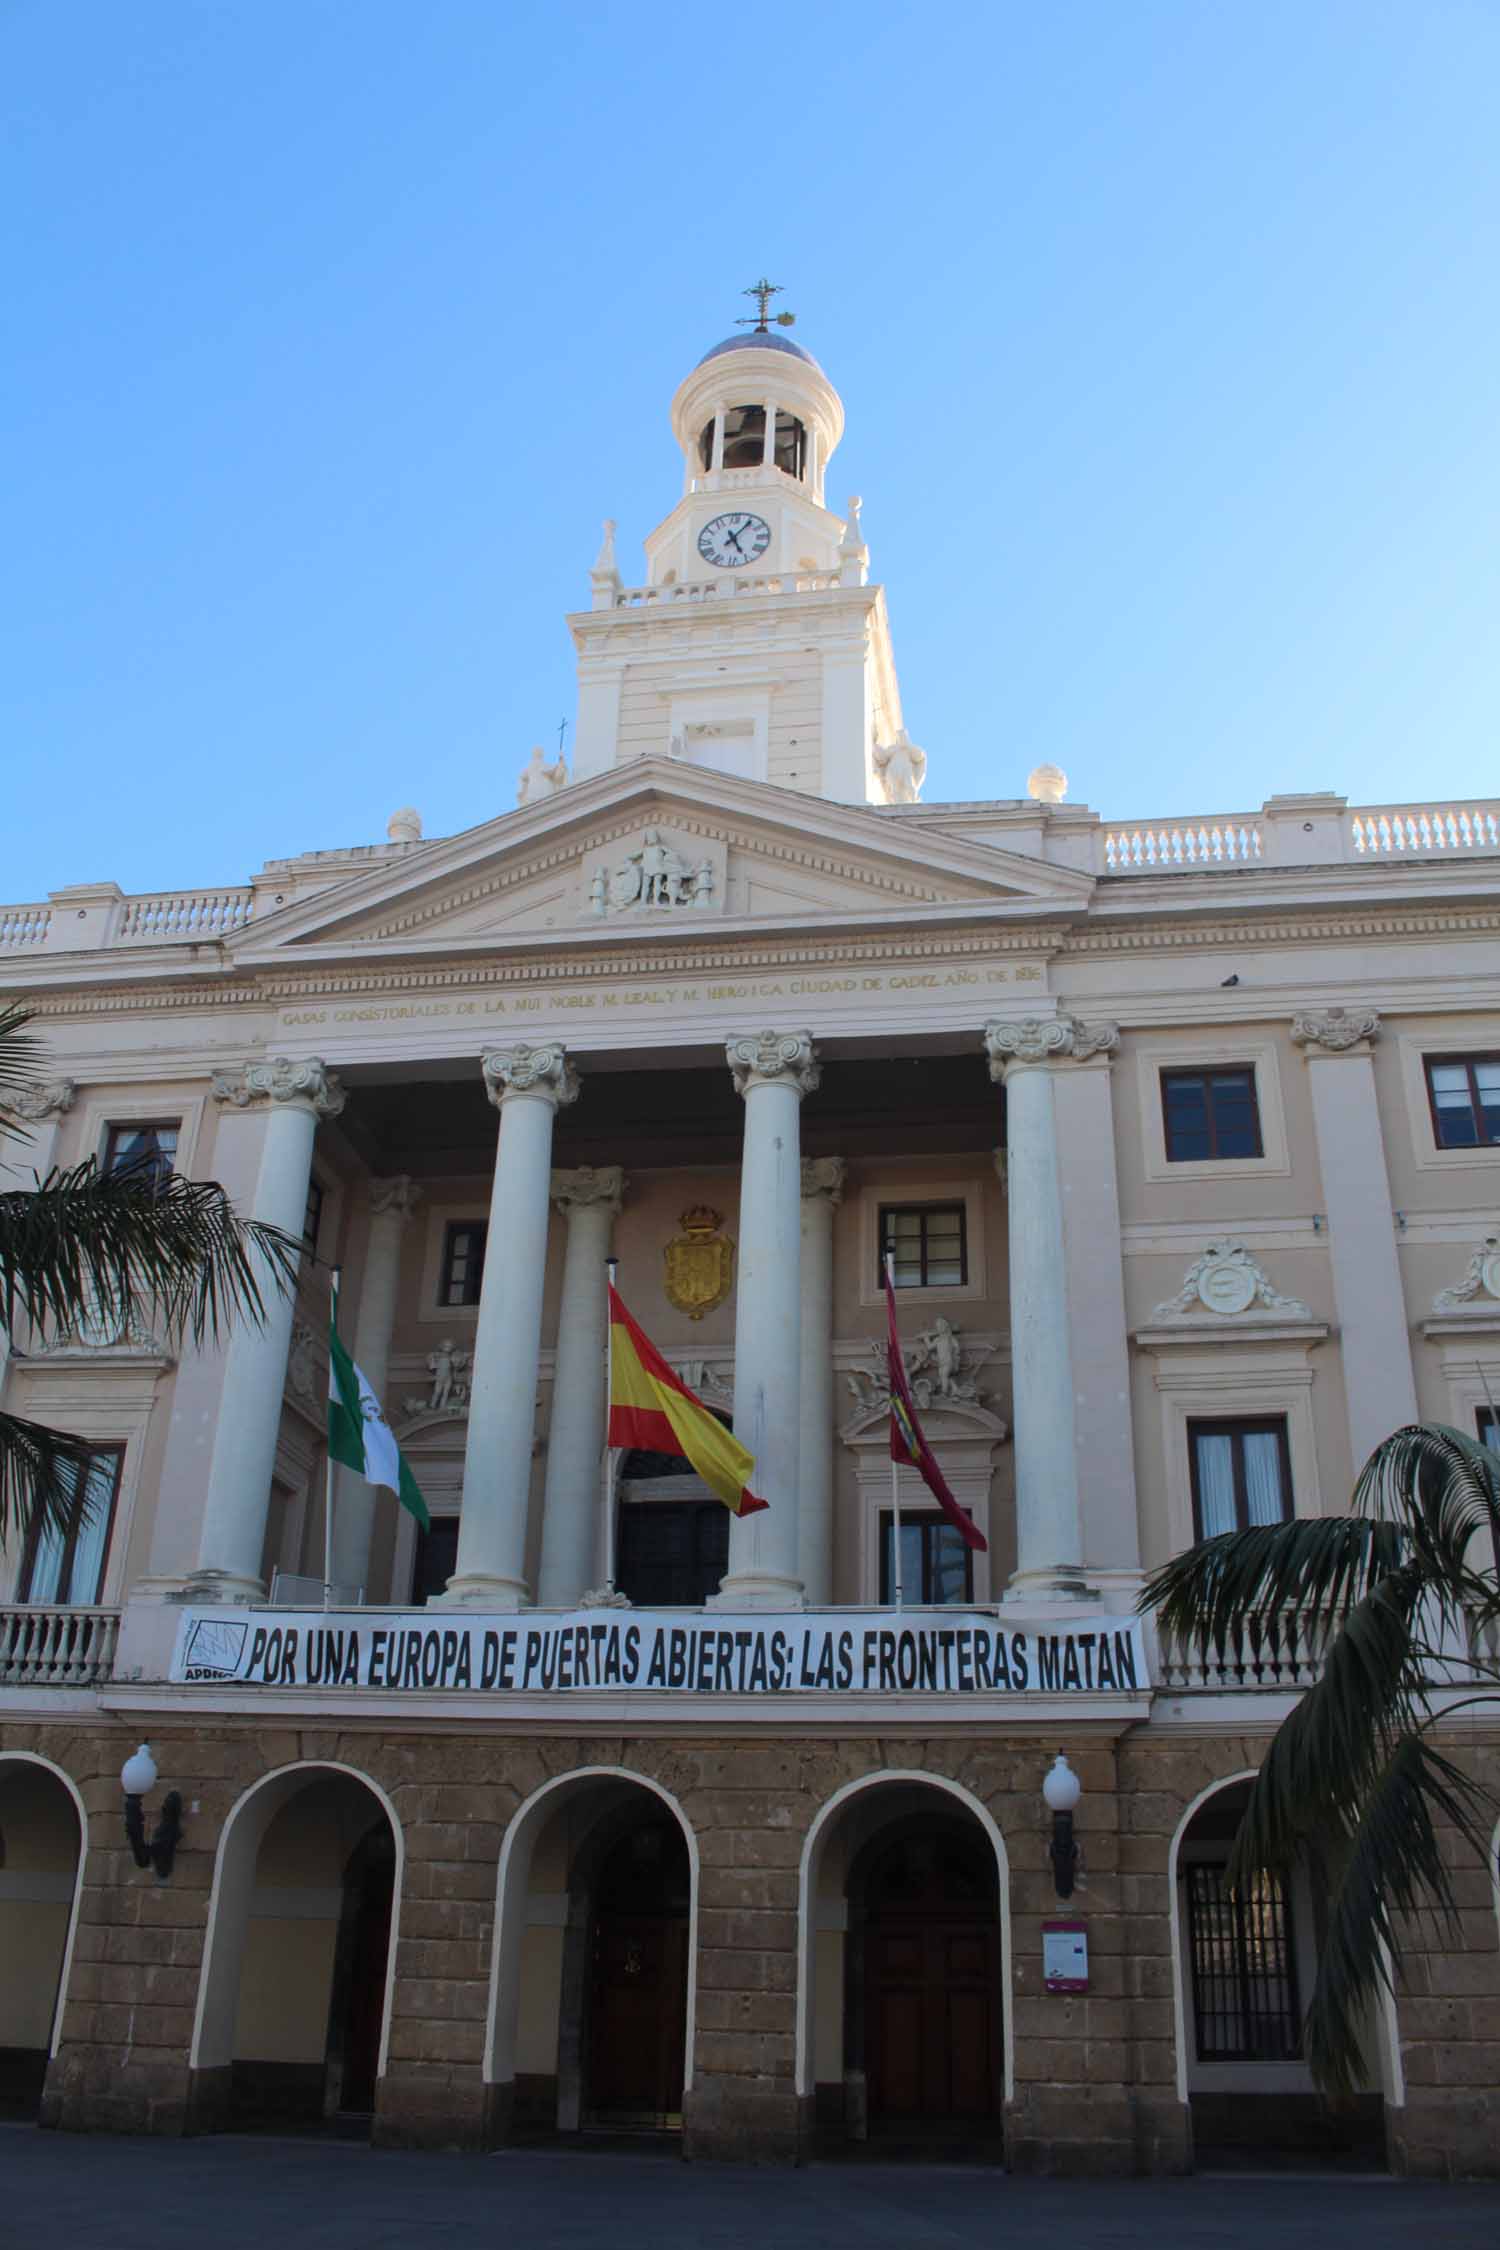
1062	1789
138	1779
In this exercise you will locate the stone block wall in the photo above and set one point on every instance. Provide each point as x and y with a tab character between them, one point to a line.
1095	2074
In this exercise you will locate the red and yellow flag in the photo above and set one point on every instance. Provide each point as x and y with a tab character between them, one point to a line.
653	1409
908	1442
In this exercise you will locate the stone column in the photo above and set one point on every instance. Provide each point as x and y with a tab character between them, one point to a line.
238	1491
528	1085
1375	1346
772	1071
41	1109
572	1509
354	1502
1049	1528
822	1192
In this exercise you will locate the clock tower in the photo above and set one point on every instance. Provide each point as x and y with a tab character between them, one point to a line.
756	645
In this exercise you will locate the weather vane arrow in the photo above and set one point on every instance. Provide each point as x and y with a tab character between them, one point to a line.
763	291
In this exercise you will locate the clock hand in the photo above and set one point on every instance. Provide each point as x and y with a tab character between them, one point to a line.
734	540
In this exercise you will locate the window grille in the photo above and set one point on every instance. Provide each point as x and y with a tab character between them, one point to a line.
1244	1971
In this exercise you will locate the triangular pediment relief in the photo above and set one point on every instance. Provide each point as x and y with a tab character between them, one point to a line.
656	849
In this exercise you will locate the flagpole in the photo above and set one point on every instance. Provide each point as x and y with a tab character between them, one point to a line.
890	1276
335	1275
611	1268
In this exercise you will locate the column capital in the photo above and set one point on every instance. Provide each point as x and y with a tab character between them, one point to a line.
823	1176
773	1058
308	1084
36	1103
541	1071
399	1194
1032	1042
1337	1031
588	1185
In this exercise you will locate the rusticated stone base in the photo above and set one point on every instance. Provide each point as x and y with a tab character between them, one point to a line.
1071	2132
98	2091
1454	2135
1163	2135
743	2121
443	2111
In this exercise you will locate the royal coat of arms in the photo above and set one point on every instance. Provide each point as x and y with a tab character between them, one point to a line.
699	1263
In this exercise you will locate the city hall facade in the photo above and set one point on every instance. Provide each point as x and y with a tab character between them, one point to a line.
590	1807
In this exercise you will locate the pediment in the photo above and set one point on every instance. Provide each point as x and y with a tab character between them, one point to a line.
658	850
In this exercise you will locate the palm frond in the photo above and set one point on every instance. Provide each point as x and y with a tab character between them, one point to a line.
20	1066
1322	1566
1441	1486
1392	1866
174	1249
1327	1753
44	1478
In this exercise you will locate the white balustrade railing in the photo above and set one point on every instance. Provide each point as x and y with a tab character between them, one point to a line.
62	1647
1220	840
1278	1662
23	925
1413	831
188	914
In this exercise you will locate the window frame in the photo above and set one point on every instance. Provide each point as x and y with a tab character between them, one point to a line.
98	1449
1465	1061
924	1519
452	1228
1208	1072
1236	1913
922	1210
114	1126
1239	1426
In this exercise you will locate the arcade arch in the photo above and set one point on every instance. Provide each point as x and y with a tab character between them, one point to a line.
904	1963
42	1831
592	1988
1243	1967
294	2003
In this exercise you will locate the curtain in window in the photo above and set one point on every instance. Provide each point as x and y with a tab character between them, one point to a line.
1263	1497
1215	1482
57	1577
46	1565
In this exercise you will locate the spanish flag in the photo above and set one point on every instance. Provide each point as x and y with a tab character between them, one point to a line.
651	1408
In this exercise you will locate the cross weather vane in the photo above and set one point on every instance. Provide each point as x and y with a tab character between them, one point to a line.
763	291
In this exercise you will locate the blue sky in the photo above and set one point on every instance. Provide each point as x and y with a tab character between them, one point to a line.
1167	336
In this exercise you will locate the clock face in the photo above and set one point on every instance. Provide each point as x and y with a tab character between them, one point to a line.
734	539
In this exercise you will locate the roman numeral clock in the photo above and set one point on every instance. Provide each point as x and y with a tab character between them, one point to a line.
727	541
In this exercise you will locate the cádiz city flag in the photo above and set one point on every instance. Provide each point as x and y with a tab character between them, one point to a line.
358	1433
653	1409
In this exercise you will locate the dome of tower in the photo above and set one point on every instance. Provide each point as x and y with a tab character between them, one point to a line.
760	340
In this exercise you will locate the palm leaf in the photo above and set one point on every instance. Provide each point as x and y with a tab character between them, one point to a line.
1393	1865
43	1479
173	1249
1319	1567
20	1066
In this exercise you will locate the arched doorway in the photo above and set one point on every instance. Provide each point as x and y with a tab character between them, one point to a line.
922	1983
1245	1962
902	2033
41	1837
296	1984
593	1986
635	2045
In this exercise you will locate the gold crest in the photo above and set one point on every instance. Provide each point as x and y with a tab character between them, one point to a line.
699	1263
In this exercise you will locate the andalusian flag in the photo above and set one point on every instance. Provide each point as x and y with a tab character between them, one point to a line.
908	1443
651	1408
358	1433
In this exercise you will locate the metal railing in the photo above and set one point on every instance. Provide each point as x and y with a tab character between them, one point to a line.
56	1647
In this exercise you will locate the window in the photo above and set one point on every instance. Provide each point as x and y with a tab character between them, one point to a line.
1489	1428
1242	1474
744	437
791	445
67	1566
1210	1114
436	1559
1243	1969
928	1244
312	1217
936	1566
463	1263
1464	1093
150	1149
672	1553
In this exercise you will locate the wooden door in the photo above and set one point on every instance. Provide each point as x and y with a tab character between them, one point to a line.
931	1985
636	2045
365	1940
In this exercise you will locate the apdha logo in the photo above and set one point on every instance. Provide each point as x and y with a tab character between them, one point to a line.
214	1650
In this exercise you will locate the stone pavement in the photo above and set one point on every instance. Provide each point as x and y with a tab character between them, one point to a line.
66	2191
